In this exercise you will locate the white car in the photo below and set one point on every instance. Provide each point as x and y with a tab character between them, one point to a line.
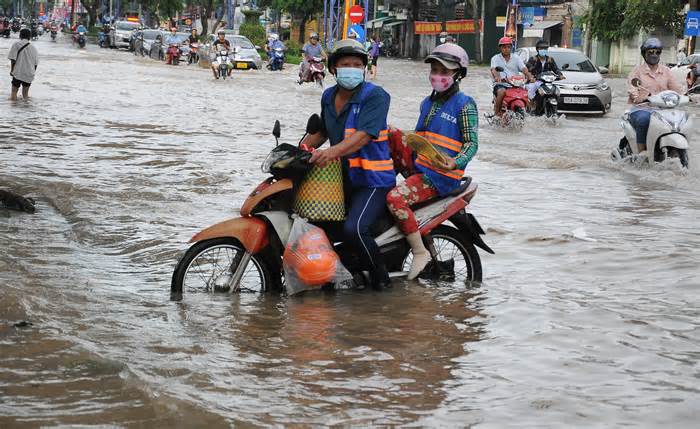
583	89
121	33
680	70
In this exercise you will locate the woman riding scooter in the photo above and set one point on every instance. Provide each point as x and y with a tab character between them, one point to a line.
449	121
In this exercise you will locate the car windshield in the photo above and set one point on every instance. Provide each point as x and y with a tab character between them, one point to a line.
573	61
150	34
243	43
127	26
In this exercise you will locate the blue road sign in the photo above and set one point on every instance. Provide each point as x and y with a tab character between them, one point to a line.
692	23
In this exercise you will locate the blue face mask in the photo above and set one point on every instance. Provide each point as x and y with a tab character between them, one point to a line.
349	77
542	52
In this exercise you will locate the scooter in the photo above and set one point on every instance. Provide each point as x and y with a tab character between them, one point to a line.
172	55
5	29
667	136
276	59
223	60
244	253
193	54
16	25
103	40
54	33
317	71
81	39
514	103
546	96
40	30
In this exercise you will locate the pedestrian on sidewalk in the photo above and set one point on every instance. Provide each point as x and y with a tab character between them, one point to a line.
24	59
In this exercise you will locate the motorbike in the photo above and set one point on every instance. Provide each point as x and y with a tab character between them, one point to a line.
244	253
103	37
276	59
667	136
193	54
16	26
34	31
223	59
172	55
5	29
81	39
40	30
546	96
54	33
514	103
317	71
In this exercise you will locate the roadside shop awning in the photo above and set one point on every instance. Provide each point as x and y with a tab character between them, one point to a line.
537	29
377	23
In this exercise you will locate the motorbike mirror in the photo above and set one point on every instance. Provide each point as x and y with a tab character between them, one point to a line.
636	82
565	66
314	124
603	70
276	130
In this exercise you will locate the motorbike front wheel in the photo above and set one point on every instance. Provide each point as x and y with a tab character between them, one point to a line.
209	265
457	258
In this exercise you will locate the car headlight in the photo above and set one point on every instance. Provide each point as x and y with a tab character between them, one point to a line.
603	86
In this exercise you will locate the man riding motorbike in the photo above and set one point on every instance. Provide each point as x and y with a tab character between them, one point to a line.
654	78
539	64
311	50
446	38
354	116
273	42
79	29
512	65
221	44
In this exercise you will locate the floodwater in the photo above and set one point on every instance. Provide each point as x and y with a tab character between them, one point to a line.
587	316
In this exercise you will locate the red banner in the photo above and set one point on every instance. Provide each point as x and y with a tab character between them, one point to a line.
462	26
425	27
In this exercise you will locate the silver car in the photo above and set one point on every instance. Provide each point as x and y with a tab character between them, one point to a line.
120	36
583	89
245	56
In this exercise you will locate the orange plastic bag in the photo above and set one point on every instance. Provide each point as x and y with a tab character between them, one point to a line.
309	260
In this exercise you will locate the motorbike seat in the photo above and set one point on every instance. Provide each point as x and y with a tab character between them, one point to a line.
466	181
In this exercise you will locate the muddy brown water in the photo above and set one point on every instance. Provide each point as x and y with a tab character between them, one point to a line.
587	315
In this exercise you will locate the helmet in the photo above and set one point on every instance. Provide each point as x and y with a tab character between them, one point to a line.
541	44
273	36
311	258
347	47
444	34
221	31
651	43
451	56
313	36
505	41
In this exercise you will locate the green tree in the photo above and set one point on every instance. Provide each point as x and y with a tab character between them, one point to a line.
300	9
621	19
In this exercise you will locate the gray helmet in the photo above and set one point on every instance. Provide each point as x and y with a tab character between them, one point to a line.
542	44
651	43
347	47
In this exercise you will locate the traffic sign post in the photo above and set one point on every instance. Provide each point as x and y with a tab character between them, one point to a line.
692	24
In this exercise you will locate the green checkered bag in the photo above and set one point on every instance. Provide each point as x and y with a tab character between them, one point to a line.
320	197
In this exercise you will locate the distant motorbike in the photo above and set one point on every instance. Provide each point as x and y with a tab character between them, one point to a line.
317	71
276	59
172	55
34	32
223	59
40	30
103	39
193	54
667	136
5	28
81	39
514	103
54	33
546	96
16	25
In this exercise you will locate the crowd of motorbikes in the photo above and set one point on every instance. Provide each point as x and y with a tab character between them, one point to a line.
37	28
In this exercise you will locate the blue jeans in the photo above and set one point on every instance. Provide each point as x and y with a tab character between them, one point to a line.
367	205
639	119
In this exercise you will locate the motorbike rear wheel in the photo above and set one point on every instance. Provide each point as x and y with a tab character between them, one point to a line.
208	265
457	258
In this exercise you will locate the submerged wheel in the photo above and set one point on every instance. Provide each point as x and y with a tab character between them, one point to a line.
458	259
208	265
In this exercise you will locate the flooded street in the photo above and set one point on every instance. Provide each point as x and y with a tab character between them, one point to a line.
587	316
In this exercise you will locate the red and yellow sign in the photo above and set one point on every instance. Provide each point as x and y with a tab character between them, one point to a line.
426	27
463	26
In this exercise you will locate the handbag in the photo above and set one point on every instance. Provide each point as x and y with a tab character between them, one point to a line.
320	197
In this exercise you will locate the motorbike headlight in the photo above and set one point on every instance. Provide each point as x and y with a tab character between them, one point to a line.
603	86
671	99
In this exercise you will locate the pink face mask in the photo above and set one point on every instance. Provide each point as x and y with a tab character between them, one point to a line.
441	83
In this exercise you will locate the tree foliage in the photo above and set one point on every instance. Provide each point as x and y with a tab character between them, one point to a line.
621	19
